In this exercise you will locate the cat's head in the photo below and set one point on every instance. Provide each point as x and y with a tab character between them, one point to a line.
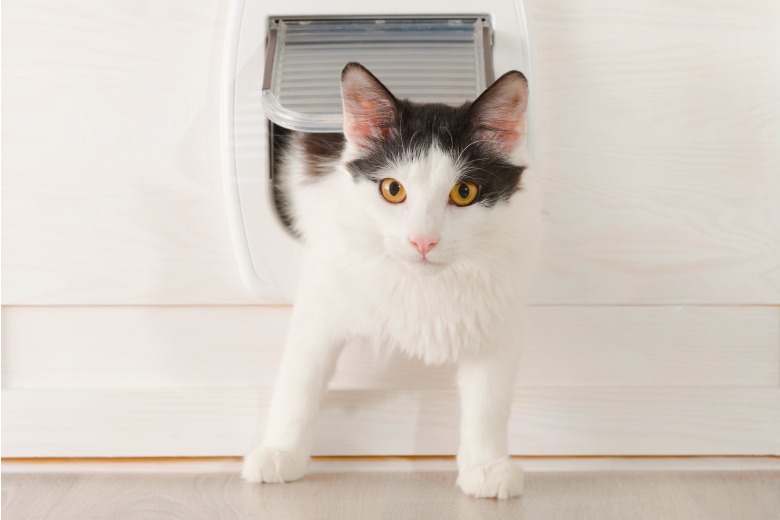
434	179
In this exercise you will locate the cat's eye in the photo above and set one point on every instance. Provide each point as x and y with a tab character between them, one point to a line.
392	190
464	193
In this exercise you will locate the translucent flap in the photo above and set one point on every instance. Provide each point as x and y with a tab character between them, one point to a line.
430	59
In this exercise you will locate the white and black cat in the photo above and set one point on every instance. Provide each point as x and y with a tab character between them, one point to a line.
419	236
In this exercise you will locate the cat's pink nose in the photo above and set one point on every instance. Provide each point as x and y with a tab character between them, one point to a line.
423	244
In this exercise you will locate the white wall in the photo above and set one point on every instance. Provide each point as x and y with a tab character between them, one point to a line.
656	328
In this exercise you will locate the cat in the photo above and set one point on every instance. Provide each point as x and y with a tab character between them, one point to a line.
420	231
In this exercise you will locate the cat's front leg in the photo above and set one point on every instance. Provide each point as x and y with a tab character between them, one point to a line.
486	384
307	365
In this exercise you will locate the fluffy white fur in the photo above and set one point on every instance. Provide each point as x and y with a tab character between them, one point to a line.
363	280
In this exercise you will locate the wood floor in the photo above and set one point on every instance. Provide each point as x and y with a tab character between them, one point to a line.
367	490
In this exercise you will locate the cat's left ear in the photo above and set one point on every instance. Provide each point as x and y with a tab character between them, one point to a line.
498	115
370	110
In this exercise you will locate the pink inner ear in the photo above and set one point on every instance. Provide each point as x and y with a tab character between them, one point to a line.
369	108
500	112
363	130
508	130
505	132
365	120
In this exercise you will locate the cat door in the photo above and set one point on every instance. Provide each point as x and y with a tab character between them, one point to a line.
445	59
285	72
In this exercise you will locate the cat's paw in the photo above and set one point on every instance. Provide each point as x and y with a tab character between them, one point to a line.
497	479
264	464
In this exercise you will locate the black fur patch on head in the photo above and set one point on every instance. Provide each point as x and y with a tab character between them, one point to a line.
418	127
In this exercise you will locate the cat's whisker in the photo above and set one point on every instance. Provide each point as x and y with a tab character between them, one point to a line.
469	167
457	161
452	141
411	141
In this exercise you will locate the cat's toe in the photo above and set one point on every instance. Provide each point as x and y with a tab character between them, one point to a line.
497	479
264	464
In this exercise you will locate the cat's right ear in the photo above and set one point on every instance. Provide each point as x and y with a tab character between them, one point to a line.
370	110
498	115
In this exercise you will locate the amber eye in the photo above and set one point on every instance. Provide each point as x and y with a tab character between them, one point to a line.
464	193
392	190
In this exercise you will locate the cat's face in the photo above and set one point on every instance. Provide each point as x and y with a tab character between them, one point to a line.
434	180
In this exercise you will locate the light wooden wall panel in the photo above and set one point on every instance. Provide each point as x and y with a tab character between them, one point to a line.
659	133
147	381
111	175
159	347
545	421
127	331
657	129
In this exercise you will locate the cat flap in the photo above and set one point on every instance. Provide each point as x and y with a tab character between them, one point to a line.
432	59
